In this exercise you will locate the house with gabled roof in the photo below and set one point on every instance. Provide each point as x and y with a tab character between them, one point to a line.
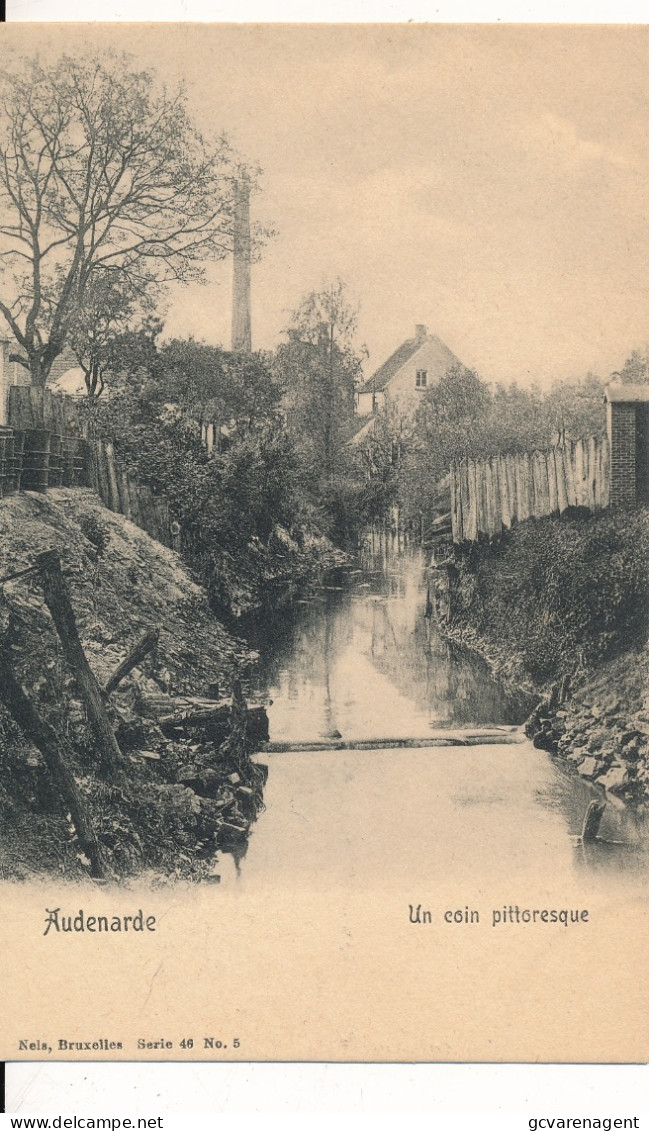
398	384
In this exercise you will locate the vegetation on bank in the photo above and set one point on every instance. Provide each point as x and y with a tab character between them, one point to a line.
281	488
560	594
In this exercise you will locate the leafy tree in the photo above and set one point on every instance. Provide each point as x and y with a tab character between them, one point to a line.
98	328
215	385
576	409
635	370
133	350
101	172
319	367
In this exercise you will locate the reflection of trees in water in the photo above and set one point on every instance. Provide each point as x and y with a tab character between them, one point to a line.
381	618
456	686
302	646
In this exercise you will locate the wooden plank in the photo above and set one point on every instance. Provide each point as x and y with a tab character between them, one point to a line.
600	483
511	487
134	499
144	497
457	533
111	475
542	485
605	484
432	741
483	512
471	531
503	486
47	408
90	469
124	497
521	492
102	477
593	480
579	473
164	522
37	406
559	471
533	502
551	475
489	497
465	499
569	472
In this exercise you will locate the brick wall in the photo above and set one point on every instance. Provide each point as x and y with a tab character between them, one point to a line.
622	429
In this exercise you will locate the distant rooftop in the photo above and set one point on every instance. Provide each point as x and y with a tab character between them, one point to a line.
442	359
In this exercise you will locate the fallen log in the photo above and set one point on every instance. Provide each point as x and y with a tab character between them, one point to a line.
139	650
164	706
57	755
439	739
185	719
58	602
217	722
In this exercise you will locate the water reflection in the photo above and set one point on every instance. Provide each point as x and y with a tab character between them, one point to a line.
363	661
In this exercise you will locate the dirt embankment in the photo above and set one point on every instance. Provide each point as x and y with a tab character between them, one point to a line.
183	793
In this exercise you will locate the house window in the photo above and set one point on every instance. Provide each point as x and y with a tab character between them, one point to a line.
421	379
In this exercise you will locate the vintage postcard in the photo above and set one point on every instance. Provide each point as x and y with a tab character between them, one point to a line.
324	556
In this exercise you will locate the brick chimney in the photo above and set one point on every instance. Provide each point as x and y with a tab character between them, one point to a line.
5	379
420	333
241	330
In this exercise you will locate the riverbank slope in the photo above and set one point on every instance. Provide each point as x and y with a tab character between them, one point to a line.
560	608
181	793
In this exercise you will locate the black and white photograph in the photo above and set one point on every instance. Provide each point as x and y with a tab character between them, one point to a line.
324	542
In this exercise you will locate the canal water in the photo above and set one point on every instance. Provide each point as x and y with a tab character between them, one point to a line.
359	660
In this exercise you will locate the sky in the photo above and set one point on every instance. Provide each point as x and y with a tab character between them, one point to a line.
489	182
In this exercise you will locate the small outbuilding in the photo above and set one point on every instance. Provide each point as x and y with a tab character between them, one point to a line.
627	415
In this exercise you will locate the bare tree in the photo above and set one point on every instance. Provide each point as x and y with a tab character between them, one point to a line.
101	174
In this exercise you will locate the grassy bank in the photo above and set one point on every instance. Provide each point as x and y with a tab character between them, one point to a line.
560	606
559	593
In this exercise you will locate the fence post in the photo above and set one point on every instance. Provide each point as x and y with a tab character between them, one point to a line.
511	487
605	488
454	492
472	517
593	497
580	477
505	502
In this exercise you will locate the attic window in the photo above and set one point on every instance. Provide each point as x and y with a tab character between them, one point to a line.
421	379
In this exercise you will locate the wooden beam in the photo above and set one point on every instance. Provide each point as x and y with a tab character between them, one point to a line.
137	653
439	739
58	602
57	755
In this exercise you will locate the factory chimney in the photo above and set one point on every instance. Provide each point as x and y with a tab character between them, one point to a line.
241	332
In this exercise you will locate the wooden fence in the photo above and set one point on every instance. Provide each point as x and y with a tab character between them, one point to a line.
30	407
121	493
489	496
49	443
